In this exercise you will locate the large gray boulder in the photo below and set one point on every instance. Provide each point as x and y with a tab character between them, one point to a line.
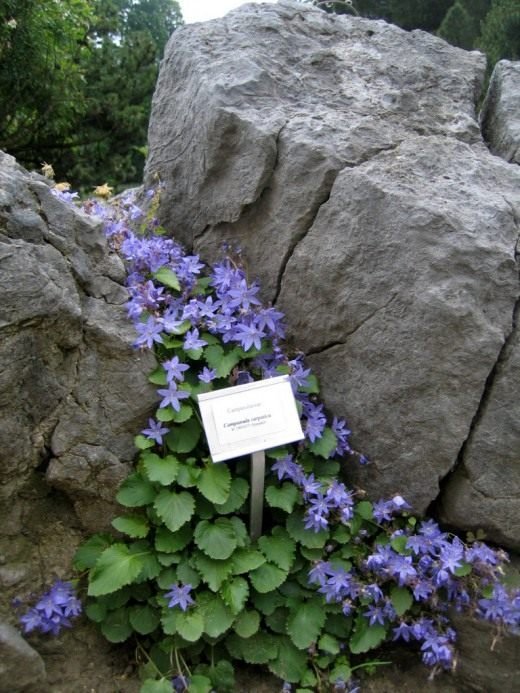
345	157
73	394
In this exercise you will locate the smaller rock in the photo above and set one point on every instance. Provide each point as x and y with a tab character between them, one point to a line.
21	668
500	116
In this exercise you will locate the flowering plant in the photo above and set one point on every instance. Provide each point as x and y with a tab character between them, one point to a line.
333	576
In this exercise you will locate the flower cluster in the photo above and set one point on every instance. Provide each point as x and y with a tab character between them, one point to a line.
53	610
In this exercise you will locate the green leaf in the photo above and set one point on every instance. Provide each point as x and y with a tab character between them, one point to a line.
162	470
279	548
267	577
184	413
143	618
115	567
213	572
247	624
338	625
188	475
214	483
151	566
235	593
184	438
190	625
312	387
158	376
135	492
399	544
277	621
166	578
88	553
143	443
365	637
174	509
166	276
222	362
96	611
290	664
167	559
365	510
258	649
328	643
238	494
267	603
245	560
342	671
151	686
283	497
165	414
169	621
463	570
401	599
187	574
135	526
200	684
194	354
325	445
171	542
240	531
296	528
305	623
217	539
116	627
217	616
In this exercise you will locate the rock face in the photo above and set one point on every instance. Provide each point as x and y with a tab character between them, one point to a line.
500	117
345	157
73	391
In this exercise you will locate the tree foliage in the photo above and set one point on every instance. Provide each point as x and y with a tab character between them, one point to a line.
80	76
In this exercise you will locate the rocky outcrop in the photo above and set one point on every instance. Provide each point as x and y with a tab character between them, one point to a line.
73	392
345	157
500	117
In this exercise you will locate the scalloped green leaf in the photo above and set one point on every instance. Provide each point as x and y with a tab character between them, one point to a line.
311	540
162	470
135	526
213	572
238	494
174	509
221	361
214	483
167	276
278	548
247	624
171	542
115	568
169	621
88	553
245	560
267	577
135	491
190	625
151	686
325	445
257	649
283	497
143	443
144	619
365	509
96	611
116	627
235	594
290	664
158	376
217	616
401	599
216	539
305	623
184	438
365	637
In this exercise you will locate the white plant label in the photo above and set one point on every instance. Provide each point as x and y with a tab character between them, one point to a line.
247	418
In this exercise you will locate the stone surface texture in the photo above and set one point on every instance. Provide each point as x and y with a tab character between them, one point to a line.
345	157
500	116
21	668
73	393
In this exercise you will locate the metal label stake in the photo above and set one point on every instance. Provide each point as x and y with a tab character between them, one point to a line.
257	494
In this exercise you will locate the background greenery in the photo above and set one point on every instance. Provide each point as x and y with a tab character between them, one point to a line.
77	76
